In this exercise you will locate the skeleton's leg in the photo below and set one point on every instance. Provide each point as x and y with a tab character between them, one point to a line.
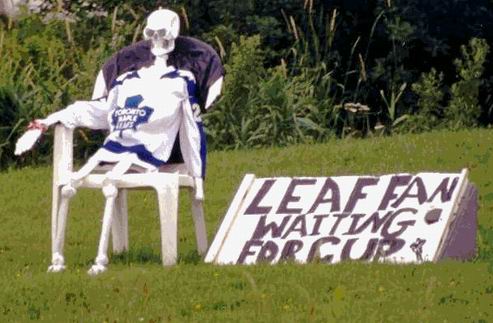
88	167
60	222
57	260
110	192
67	192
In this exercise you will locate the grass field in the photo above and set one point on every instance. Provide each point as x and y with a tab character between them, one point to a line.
138	289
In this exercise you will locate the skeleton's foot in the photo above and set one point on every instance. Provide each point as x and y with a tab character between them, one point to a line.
57	263
56	268
99	266
96	270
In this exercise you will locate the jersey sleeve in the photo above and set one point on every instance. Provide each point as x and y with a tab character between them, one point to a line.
88	114
191	139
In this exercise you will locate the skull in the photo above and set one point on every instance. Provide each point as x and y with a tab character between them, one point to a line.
163	27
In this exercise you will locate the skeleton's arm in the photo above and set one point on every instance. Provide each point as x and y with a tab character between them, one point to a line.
89	114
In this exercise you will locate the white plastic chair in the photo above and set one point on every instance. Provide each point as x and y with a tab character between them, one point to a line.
166	183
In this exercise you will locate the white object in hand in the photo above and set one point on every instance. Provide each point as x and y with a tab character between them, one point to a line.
34	130
27	140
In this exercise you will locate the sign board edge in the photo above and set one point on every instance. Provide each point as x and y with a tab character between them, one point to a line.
229	217
461	190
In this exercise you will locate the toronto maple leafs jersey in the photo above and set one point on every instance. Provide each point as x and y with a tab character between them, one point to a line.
145	110
190	54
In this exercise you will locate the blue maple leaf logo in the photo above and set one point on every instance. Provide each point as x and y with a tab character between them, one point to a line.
131	115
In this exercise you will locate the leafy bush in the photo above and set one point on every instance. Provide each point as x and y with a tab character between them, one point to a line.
34	69
228	126
265	107
464	109
430	97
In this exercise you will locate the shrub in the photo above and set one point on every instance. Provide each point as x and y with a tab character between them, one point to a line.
464	109
430	97
228	125
266	107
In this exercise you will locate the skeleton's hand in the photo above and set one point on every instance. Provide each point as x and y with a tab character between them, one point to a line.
29	138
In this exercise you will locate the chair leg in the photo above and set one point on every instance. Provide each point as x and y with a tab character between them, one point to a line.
199	222
57	260
110	193
119	227
55	207
168	218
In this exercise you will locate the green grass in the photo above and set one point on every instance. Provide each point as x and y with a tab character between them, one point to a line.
137	288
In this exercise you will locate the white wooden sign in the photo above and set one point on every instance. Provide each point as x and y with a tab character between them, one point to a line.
397	218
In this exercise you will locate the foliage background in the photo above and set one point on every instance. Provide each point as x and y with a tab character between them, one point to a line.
298	71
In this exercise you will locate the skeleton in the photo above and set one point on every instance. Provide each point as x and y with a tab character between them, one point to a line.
162	29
